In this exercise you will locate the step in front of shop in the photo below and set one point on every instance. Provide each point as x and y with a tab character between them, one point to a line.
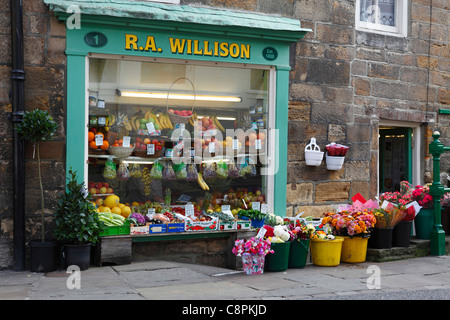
417	248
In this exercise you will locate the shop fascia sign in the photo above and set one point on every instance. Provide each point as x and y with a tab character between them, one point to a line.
221	49
182	46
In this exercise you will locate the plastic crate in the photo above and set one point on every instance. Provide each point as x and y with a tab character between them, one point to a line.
116	230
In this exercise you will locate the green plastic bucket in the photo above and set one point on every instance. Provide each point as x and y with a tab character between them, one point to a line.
279	260
424	223
298	253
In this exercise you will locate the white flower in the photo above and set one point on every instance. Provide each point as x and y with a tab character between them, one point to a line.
281	232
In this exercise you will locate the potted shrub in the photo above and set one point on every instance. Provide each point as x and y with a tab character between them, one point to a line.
38	126
77	223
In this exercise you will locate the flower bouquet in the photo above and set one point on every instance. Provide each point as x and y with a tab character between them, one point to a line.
253	252
350	223
300	235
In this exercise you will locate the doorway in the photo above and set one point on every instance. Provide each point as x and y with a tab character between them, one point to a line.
395	163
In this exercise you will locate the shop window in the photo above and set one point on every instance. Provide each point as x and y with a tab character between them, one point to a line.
132	103
388	17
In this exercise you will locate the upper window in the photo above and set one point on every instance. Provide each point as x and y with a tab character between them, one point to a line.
388	17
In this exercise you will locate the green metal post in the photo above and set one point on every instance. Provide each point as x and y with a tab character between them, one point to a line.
437	190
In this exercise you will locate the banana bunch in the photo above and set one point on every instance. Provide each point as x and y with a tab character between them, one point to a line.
165	122
127	124
193	118
218	124
202	182
110	121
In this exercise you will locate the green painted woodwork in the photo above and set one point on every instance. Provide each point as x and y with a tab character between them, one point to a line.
76	113
257	31
444	111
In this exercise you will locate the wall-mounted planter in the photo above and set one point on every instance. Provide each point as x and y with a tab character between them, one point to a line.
313	155
335	156
334	163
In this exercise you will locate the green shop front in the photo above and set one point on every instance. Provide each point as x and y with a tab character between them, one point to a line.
180	109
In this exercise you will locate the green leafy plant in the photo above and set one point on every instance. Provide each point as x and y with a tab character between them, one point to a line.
75	218
252	214
38	126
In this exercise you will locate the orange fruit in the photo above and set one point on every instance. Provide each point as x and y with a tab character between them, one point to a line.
116	210
91	136
93	145
101	134
105	145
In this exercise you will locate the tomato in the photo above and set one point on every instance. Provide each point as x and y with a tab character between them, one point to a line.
158	147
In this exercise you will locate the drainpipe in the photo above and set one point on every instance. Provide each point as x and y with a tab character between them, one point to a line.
18	107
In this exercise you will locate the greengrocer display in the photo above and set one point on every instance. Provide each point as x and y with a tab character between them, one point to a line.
174	151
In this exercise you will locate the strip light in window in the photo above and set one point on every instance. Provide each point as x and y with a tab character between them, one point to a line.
175	96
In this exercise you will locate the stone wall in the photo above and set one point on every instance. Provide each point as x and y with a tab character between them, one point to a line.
45	65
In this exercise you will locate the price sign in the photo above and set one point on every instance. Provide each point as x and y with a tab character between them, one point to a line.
235	144
225	207
189	209
99	139
212	147
264	208
150	149
150	127
261	233
84	192
151	211
258	144
184	198
256	206
126	141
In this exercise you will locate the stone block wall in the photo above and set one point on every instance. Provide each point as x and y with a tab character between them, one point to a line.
45	67
343	82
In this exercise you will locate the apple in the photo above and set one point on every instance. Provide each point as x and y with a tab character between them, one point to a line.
93	190
105	184
103	190
109	190
99	202
98	185
260	198
258	192
91	185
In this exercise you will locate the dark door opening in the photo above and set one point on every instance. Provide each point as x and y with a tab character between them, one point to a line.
395	163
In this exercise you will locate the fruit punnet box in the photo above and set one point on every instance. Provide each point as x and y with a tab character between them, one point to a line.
201	225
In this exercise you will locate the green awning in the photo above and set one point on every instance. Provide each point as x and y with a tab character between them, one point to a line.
151	11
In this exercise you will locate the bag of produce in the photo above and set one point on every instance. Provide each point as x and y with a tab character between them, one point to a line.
168	172
244	168
192	173
122	173
110	169
233	170
135	171
156	172
180	171
222	170
208	171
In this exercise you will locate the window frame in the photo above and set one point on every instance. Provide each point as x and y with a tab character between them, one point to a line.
401	16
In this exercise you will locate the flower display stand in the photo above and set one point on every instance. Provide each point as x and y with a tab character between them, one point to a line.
279	260
402	234
424	223
326	253
381	238
298	253
253	264
354	250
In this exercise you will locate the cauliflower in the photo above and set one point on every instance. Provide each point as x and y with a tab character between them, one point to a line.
282	233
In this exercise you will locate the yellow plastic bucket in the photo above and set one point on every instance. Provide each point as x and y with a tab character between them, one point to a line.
326	253
354	249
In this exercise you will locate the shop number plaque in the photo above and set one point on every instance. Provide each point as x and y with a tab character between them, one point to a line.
95	39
